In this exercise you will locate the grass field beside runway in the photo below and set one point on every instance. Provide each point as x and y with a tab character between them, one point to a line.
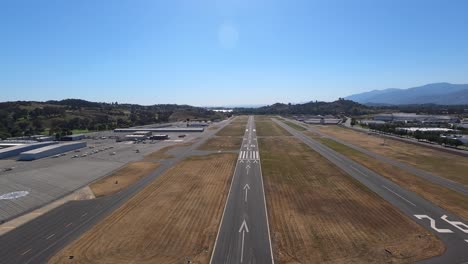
267	128
235	129
173	219
222	143
440	163
122	178
319	214
450	200
131	172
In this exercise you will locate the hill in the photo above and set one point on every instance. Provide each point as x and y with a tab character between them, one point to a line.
435	93
338	107
25	118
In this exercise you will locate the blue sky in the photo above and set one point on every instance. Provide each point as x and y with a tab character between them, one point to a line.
210	52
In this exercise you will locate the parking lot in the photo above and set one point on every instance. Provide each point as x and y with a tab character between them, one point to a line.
26	185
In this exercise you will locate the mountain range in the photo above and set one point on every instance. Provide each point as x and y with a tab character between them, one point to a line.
434	93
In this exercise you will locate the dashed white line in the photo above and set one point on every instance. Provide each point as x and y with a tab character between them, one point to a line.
399	196
69	224
51	236
85	214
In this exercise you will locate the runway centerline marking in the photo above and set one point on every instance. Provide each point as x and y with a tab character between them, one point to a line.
85	214
399	196
69	224
49	237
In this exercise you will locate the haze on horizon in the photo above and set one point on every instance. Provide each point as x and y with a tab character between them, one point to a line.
227	52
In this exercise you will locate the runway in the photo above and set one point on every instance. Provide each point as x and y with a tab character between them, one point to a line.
243	235
449	228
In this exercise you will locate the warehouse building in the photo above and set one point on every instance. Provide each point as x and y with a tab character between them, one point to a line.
144	133
73	137
159	137
135	137
160	130
16	150
50	150
415	118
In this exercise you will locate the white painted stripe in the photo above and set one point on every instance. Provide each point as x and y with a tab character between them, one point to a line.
399	196
243	154
49	237
25	252
257	156
240	155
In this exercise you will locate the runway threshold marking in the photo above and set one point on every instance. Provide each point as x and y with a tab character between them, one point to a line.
403	198
51	236
25	252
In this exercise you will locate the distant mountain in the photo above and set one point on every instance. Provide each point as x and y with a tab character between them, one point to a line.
435	93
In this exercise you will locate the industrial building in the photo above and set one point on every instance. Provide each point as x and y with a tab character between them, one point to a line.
159	137
50	150
160	130
135	137
73	137
144	133
16	150
320	120
197	124
415	118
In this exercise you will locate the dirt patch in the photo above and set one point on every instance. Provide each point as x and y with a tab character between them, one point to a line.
319	214
174	218
122	178
454	202
222	143
444	164
268	129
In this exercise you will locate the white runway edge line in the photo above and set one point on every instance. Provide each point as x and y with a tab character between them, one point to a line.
403	198
264	203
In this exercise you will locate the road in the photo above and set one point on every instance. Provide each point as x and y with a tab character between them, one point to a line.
455	186
451	229
37	240
243	235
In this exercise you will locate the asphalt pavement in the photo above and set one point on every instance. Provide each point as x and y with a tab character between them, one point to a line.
451	229
243	235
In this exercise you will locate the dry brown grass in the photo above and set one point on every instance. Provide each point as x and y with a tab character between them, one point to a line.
454	202
174	217
319	214
268	128
234	129
444	164
222	143
122	178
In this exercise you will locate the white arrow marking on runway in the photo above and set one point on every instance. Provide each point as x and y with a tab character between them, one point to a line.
247	167
246	188
244	229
